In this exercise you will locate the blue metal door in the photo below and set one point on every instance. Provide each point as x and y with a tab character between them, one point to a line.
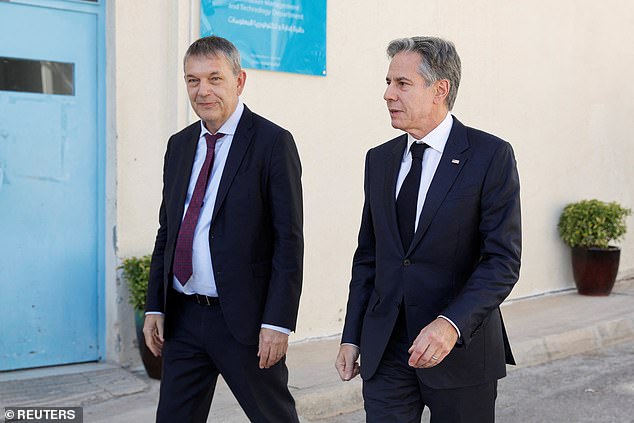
49	161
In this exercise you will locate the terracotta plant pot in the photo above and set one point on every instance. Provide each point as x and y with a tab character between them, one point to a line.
595	269
152	364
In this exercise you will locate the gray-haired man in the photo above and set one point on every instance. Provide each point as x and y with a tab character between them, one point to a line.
438	251
226	271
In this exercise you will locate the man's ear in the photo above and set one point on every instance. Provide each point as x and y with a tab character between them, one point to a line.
442	91
242	79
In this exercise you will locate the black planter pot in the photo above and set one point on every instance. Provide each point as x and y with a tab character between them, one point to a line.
151	363
595	269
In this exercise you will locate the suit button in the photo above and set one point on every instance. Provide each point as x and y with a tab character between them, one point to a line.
406	262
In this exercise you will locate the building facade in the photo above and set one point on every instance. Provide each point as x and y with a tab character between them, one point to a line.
91	91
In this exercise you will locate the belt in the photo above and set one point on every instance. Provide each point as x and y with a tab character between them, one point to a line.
200	299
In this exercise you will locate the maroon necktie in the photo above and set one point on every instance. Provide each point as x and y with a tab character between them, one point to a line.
183	254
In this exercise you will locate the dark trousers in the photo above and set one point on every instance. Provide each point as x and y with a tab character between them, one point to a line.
395	394
198	347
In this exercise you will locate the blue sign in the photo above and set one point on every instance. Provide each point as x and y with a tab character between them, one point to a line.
277	35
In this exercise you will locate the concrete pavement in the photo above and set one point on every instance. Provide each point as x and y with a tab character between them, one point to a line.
592	387
541	329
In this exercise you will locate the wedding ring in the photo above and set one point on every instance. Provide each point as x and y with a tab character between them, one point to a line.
433	357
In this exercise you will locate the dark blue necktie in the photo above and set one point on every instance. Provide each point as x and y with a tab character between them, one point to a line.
407	200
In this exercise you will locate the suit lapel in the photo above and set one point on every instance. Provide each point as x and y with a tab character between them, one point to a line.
239	145
444	178
190	144
391	176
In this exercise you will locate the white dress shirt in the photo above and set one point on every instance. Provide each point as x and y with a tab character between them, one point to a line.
202	280
436	140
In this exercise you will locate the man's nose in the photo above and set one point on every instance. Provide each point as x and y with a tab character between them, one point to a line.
205	88
389	93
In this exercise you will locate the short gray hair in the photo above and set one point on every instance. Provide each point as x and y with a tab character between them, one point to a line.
215	46
439	60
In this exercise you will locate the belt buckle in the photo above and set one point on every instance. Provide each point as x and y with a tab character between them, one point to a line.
202	299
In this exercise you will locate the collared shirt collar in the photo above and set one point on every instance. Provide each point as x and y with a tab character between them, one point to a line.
436	139
230	125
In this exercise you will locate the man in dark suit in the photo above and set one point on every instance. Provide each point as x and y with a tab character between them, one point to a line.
438	251
226	271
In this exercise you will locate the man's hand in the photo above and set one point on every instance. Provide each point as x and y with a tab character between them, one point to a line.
434	342
153	333
273	346
346	363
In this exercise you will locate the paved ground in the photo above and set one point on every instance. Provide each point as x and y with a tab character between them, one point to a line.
80	384
541	330
592	387
595	387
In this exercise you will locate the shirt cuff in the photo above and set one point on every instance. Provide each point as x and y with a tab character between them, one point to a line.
452	324
277	328
348	343
147	313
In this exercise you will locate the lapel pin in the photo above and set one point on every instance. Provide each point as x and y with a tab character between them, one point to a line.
455	161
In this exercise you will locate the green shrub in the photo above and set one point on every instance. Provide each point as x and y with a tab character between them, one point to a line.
136	272
592	223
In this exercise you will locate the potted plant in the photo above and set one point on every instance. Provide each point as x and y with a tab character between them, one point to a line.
136	272
588	227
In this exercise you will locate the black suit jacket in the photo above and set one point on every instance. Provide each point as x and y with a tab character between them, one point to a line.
255	239
462	263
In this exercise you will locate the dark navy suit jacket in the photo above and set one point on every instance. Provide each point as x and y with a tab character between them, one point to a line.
462	263
255	239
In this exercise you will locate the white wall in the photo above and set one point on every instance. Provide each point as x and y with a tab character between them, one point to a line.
551	78
145	54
